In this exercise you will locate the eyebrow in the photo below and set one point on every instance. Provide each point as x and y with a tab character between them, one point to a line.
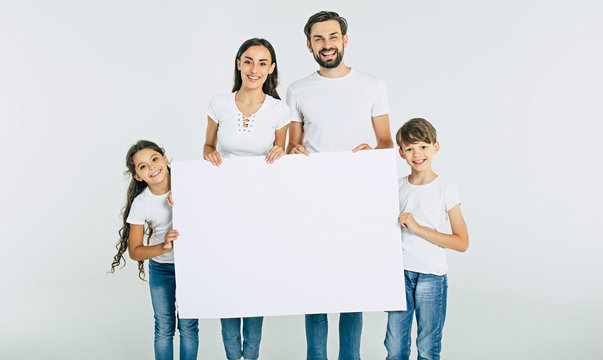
333	33
250	58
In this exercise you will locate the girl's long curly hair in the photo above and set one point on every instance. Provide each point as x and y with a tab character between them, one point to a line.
134	189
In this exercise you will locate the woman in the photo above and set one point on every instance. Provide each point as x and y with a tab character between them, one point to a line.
250	121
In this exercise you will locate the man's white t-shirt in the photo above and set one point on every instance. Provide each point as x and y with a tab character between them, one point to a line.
156	213
429	205
247	136
336	112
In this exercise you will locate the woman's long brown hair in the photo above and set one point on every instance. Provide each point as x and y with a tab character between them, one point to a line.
134	189
271	82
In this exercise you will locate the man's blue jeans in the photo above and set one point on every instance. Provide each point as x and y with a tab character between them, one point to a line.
162	281
426	294
252	335
350	331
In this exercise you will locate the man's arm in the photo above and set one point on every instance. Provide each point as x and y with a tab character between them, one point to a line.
384	137
296	137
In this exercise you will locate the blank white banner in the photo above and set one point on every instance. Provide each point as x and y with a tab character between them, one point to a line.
316	234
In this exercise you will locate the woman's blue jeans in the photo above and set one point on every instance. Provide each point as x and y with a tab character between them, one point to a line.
350	331
252	335
162	281
426	295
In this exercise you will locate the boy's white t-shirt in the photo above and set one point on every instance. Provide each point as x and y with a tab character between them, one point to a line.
336	112
156	213
429	205
252	136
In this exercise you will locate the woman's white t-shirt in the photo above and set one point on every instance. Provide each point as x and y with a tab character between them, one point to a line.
153	210
247	136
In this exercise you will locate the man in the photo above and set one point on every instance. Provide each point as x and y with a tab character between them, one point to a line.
336	108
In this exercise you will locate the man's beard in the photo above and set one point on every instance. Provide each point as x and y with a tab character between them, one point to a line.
333	63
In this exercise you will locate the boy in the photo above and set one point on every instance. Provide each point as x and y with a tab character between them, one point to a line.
428	204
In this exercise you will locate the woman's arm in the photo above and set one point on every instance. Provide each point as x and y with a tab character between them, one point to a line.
211	141
278	147
139	252
458	240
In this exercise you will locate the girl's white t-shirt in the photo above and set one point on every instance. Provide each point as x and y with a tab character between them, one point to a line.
429	205
247	136
153	210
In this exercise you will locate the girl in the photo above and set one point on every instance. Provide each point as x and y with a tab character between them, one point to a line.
146	204
250	121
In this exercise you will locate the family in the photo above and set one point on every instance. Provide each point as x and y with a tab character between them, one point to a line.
336	108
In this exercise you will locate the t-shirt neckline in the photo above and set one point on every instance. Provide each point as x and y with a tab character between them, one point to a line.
423	185
333	79
234	103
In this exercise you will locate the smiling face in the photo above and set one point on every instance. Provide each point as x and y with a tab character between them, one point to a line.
255	64
150	166
419	155
327	43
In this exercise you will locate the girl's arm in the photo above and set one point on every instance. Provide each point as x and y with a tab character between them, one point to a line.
458	240
278	147
211	141
140	252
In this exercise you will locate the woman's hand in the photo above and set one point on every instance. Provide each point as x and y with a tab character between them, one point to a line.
169	238
214	157
276	152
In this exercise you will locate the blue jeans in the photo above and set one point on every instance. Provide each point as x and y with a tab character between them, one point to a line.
426	294
162	281
252	335
350	330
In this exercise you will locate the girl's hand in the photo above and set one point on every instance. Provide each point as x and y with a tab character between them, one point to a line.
169	200
214	157
169	238
409	222
274	153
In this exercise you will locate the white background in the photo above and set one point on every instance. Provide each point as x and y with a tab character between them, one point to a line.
513	87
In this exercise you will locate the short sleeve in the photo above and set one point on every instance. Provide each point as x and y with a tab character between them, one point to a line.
294	114
211	110
452	197
136	215
381	102
283	115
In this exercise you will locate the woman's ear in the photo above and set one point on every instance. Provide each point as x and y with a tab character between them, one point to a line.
238	64
272	68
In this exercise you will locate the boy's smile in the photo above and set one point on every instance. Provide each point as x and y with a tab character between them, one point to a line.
419	155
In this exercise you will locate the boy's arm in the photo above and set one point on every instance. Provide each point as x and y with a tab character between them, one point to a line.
458	240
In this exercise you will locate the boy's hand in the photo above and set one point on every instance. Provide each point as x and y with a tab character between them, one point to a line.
362	147
169	200
409	222
169	238
276	152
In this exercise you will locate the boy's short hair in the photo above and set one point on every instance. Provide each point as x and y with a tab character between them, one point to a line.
415	130
325	16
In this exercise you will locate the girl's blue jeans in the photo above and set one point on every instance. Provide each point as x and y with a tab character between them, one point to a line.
350	331
426	295
162	281
252	335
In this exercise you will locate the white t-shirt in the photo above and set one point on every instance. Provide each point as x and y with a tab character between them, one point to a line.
251	136
156	213
429	205
336	112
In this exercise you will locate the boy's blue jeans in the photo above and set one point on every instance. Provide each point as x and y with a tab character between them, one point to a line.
426	295
350	330
252	335
162	282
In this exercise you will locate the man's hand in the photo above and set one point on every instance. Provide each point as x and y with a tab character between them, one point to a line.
362	147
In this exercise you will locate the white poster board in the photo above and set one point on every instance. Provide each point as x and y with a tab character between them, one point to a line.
307	234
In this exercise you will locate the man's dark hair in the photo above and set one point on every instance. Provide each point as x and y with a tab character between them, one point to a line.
325	16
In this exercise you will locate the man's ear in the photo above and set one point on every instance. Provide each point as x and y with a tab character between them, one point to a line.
309	45
345	40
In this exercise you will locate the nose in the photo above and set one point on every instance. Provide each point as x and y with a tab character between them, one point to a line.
254	68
